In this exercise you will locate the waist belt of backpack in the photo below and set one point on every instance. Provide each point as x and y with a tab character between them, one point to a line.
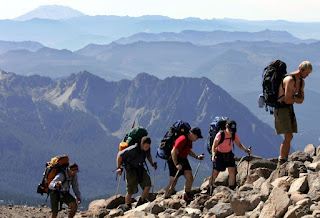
282	104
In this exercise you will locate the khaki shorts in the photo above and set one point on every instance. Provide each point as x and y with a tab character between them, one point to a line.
56	200
133	181
285	120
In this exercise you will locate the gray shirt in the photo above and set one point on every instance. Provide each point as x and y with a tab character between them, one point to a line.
66	182
134	157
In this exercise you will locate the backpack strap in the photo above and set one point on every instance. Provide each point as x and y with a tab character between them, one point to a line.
222	136
295	81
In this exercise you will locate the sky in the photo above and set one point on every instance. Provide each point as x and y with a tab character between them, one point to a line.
290	10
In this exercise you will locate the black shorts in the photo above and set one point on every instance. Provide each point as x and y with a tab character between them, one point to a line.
224	160
173	169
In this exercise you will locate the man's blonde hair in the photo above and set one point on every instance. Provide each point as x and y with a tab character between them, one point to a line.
305	65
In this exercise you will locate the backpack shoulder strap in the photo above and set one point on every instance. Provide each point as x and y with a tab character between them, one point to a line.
222	136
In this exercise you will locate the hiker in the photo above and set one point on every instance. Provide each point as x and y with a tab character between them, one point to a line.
59	190
222	155
179	162
290	91
133	158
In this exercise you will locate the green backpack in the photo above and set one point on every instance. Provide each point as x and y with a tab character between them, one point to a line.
134	136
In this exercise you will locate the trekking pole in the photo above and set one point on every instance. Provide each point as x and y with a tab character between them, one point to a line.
195	174
248	161
154	176
175	177
118	185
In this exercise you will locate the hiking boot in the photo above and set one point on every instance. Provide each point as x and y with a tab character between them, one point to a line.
281	161
141	201
124	207
232	187
187	197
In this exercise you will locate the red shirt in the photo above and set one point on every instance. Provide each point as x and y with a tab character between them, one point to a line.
184	149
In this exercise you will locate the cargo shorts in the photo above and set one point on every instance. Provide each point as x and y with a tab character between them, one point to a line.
285	120
57	199
133	180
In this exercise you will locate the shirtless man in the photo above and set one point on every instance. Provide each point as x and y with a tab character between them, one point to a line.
291	91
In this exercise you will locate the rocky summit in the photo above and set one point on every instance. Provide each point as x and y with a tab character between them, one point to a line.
263	190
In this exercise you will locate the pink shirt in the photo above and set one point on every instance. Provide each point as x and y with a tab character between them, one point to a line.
226	145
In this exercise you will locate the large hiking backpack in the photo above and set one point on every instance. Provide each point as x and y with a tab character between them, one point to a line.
177	129
272	76
217	125
134	136
56	165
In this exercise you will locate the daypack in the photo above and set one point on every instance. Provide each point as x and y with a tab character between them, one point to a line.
134	136
272	76
56	165
177	129
217	125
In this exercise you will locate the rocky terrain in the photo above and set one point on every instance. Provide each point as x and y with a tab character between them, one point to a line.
291	190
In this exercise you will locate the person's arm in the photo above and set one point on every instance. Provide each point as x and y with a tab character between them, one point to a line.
299	97
149	157
75	188
56	183
198	157
241	146
214	147
119	162
174	155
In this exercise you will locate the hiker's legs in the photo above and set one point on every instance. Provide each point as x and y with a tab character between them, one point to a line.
128	198
285	146
145	192
73	206
132	186
213	177
189	180
54	200
232	176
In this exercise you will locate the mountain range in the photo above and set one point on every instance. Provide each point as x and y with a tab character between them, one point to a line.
80	30
214	37
235	66
86	117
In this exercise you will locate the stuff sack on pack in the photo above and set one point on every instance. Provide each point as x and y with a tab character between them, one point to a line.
177	129
272	78
56	165
134	136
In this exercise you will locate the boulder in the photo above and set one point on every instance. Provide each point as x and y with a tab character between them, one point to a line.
277	204
310	149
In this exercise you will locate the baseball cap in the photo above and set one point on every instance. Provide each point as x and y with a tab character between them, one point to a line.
232	125
197	132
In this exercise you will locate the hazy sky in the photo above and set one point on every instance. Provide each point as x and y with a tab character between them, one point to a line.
292	10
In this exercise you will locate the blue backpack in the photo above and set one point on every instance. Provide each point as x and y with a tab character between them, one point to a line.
217	125
177	129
